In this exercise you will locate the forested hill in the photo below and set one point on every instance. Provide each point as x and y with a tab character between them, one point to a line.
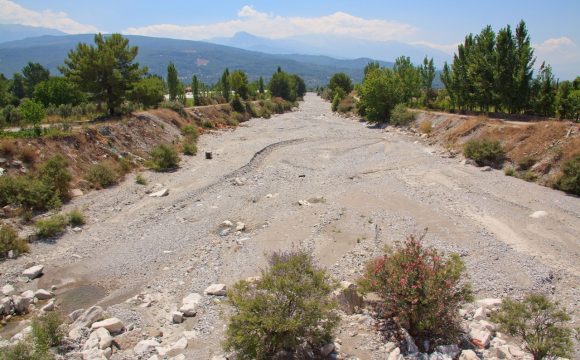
204	59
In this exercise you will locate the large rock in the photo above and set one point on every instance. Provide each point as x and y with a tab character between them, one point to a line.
49	306
8	290
468	355
42	294
480	337
190	303
28	294
6	306
327	349
160	193
174	350
96	354
448	350
113	325
177	317
145	347
88	317
348	298
76	193
99	339
216	289
489	303
21	304
33	272
395	355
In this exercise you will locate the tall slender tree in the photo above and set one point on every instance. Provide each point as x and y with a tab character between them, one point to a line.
427	71
481	68
195	90
225	85
505	67
524	73
172	81
544	92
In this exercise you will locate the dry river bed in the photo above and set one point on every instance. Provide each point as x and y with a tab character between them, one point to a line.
367	187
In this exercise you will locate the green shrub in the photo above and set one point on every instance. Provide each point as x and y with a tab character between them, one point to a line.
22	350
189	148
484	152
9	241
569	181
50	227
54	172
46	331
237	104
29	192
175	105
401	116
337	98
420	289
76	218
510	171
140	180
190	132
539	323
207	124
102	175
526	162
164	158
287	308
529	176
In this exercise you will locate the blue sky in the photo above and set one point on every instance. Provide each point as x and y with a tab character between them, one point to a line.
441	24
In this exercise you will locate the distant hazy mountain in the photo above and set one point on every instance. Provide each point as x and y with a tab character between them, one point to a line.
334	46
11	32
204	59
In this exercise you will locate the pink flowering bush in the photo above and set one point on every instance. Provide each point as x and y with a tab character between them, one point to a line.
420	289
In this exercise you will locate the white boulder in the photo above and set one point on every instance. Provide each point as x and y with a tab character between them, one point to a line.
33	272
113	325
8	290
160	193
42	294
216	289
145	347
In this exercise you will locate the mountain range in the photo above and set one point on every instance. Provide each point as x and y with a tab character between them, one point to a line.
207	60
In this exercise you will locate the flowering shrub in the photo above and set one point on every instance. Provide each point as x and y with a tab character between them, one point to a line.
420	289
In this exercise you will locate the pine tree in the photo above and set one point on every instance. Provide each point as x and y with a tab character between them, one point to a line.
172	81
450	86
544	92
34	74
261	85
17	87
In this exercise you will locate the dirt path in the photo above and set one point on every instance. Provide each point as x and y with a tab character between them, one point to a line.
367	188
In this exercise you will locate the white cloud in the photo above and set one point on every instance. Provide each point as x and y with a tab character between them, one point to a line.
276	27
13	13
555	44
446	48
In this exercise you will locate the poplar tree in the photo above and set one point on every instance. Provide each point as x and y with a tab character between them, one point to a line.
195	90
524	72
172	81
427	71
225	84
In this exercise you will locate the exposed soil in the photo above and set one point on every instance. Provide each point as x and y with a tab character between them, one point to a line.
366	187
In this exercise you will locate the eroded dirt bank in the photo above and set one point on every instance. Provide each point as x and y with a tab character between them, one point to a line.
366	188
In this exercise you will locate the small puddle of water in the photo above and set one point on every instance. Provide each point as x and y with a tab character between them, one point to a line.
79	297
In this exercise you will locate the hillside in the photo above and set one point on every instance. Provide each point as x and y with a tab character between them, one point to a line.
12	32
204	59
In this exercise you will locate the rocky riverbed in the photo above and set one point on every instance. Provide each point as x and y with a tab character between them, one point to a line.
307	179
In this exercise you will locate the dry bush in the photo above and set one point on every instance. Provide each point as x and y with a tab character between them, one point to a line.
426	127
28	155
7	148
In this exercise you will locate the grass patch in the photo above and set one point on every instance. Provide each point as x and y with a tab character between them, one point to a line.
484	152
140	180
164	158
76	218
102	175
9	241
51	227
426	127
569	180
189	148
402	116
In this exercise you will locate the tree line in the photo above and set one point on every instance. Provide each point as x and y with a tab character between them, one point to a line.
489	72
104	78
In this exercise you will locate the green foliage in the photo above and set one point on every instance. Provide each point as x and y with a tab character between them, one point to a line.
9	241
29	192
539	323
510	171
189	148
190	132
102	175
164	158
175	106
195	87
225	85
76	218
140	180
107	70
32	112
484	152
46	331
50	227
427	72
544	92
380	91
338	96
172	81
569	181
54	172
402	116
237	104
340	81
57	91
421	289
280	86
148	91
409	78
34	74
287	308
239	84
17	88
